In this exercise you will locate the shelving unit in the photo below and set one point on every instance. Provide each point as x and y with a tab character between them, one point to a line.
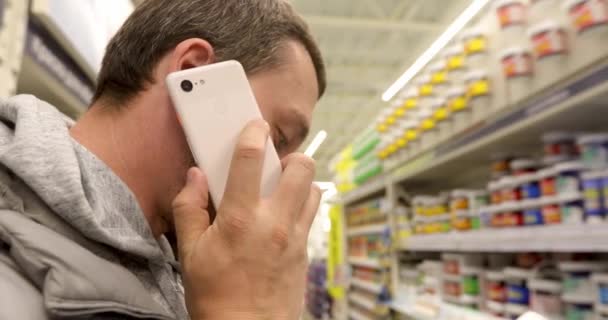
354	315
438	311
569	106
367	262
371	188
362	301
367	285
369	229
576	102
558	238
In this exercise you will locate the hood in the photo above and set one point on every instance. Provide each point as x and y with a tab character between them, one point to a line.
36	146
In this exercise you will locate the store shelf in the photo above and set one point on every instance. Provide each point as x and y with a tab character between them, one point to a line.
414	312
571	106
437	311
369	229
367	285
558	238
374	186
363	301
366	262
355	315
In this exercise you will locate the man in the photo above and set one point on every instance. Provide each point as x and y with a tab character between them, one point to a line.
85	205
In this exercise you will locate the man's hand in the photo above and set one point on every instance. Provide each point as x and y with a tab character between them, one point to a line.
251	262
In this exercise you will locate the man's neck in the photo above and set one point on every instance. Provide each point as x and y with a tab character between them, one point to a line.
119	138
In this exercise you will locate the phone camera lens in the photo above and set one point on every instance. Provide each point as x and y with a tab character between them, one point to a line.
187	85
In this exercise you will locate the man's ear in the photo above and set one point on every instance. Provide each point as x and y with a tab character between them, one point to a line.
191	53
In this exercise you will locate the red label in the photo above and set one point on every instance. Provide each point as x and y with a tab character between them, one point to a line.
547	186
511	14
551	214
517	65
588	14
549	43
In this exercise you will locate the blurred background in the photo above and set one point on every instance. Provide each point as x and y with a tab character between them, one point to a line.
462	144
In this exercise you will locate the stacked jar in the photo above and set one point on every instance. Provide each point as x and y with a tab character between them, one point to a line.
594	154
464	209
431	215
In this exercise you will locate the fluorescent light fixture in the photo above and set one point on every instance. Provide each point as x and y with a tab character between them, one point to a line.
471	11
316	143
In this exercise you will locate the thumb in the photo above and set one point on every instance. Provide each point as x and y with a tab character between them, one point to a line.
190	214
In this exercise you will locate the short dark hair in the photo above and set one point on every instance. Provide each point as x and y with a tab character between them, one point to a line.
249	31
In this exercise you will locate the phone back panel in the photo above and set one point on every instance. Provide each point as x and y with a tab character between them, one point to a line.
213	114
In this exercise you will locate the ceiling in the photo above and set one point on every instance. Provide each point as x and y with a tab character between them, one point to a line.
367	45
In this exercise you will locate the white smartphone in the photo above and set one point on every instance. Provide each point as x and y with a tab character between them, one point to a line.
214	103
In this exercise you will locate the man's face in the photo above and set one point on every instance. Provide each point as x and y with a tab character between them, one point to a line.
287	96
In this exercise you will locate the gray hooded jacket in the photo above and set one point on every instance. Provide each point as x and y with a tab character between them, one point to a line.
74	243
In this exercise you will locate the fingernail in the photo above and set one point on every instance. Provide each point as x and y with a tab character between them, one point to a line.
267	126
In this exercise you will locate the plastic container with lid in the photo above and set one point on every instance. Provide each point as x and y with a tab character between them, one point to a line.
476	47
470	281
600	285
551	212
589	24
568	177
427	128
501	165
517	292
458	105
548	39
463	221
455	58
545	297
510	189
575	311
440	116
495	192
604	195
478	199
572	210
530	186
424	85
459	200
511	13
549	42
593	190
511	215
517	62
532	212
496	289
559	144
440	80
518	70
594	150
547	178
577	282
479	92
587	15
